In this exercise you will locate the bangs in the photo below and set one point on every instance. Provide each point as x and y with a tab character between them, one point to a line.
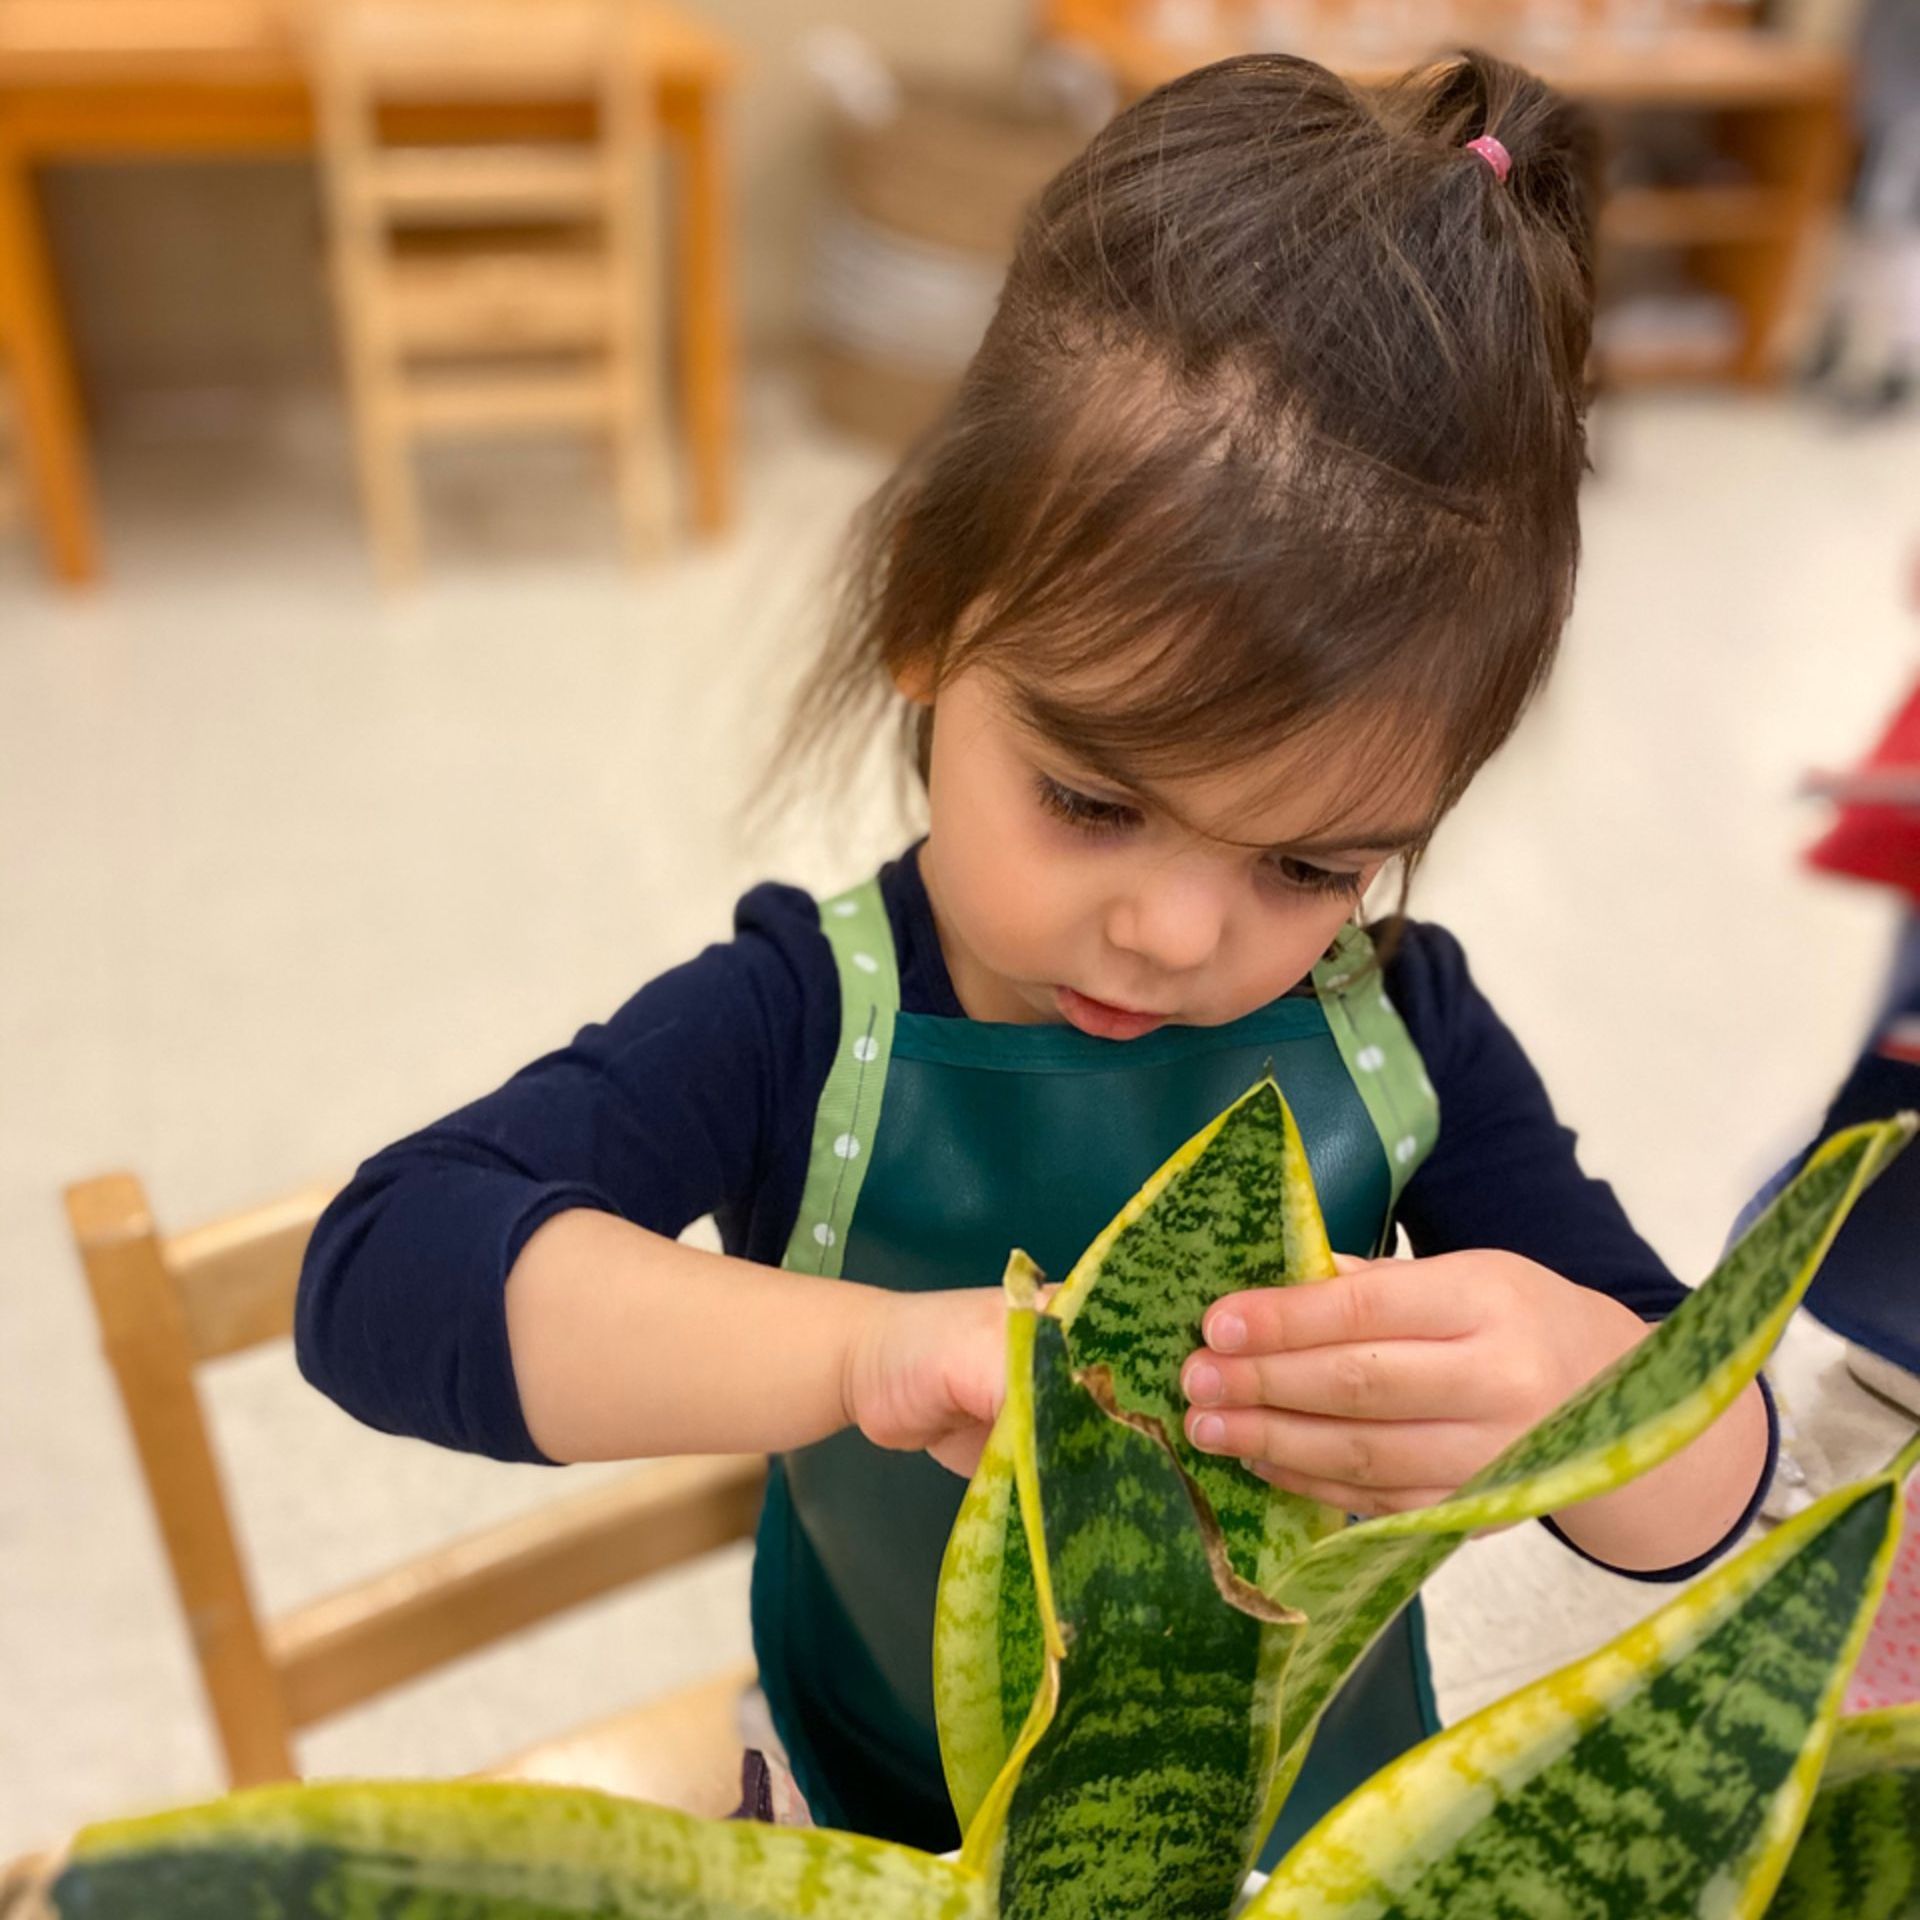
1381	778
1199	579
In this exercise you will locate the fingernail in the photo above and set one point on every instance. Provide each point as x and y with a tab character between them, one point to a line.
1204	1383
1209	1430
1226	1333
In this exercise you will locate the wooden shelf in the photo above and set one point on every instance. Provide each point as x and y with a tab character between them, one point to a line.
1781	105
1705	67
1698	216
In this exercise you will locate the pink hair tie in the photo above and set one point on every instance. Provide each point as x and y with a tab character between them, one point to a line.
1494	154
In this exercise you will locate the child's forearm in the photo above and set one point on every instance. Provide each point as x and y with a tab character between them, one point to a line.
627	1344
1682	1507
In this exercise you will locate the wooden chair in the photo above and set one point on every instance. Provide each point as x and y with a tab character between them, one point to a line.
168	1303
24	1885
12	488
488	282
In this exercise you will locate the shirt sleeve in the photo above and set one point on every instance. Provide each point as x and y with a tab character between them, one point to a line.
668	1111
1504	1172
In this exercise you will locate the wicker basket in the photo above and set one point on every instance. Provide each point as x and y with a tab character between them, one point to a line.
921	222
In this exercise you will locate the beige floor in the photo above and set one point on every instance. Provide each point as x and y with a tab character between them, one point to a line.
285	870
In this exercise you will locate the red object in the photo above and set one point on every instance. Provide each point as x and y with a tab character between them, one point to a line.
1494	154
1880	843
1888	1674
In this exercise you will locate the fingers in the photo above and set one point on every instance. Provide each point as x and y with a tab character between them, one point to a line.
1393	1380
1393	1457
1368	1502
959	1452
1370	1300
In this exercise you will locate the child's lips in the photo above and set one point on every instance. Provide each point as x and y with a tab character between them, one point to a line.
1104	1020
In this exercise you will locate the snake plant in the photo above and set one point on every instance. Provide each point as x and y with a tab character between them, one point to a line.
1135	1642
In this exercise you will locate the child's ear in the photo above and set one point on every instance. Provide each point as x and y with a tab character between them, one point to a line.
916	680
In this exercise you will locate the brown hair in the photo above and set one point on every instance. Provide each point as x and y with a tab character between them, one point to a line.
1280	415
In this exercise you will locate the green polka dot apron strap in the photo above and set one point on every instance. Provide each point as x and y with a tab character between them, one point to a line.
1380	1055
937	1145
849	1112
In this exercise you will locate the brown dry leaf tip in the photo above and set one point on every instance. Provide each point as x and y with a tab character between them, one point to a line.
1236	1591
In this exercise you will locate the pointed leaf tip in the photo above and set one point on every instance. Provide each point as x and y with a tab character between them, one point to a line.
1022	1282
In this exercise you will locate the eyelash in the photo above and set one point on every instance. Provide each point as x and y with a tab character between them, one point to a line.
1101	819
1082	810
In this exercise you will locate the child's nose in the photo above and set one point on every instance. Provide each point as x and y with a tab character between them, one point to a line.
1173	922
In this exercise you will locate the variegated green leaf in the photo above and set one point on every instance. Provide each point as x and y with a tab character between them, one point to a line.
989	1656
1676	1383
1858	1856
1138	1786
1641	1411
477	1851
1665	1776
1234	1208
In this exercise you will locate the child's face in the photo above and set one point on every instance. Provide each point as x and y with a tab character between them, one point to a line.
1062	897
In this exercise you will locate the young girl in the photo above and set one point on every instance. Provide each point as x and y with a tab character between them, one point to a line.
1244	544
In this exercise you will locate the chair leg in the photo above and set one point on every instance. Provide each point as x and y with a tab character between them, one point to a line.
394	507
644	486
23	1888
388	490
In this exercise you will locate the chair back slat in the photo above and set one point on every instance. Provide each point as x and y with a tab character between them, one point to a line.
412	50
361	1641
237	1278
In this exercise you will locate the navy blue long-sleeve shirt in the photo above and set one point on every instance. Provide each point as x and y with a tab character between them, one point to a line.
697	1097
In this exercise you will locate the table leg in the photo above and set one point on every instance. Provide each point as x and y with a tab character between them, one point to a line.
52	435
704	292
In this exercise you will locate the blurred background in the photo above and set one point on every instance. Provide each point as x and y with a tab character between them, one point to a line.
425	431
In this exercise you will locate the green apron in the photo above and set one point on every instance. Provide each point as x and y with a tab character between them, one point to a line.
940	1144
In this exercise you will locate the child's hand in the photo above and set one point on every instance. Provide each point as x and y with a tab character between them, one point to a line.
1388	1386
929	1370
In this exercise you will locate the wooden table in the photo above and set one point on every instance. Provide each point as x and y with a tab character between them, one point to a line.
93	80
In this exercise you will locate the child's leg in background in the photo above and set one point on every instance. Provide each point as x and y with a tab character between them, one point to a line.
1903	992
1889	240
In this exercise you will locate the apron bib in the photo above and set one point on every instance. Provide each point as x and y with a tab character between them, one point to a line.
939	1145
